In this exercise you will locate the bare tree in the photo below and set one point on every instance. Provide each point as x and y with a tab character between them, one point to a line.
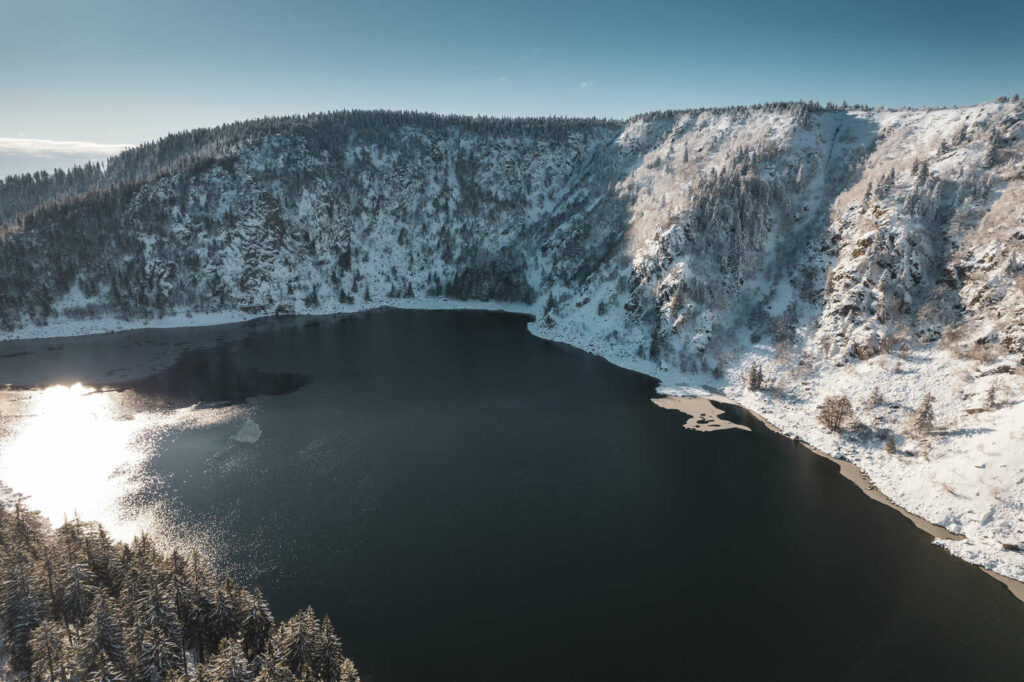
835	412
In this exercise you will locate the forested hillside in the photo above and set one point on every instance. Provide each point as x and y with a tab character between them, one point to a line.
839	249
76	605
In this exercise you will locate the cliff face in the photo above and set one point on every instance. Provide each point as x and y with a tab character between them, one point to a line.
841	249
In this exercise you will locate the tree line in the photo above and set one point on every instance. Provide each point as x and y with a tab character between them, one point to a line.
76	605
323	131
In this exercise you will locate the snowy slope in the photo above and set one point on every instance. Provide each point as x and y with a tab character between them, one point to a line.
841	249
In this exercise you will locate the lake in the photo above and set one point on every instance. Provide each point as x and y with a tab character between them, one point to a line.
469	502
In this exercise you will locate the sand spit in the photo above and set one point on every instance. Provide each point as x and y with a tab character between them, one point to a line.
704	416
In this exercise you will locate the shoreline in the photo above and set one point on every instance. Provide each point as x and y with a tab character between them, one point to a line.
62	329
847	470
704	416
698	405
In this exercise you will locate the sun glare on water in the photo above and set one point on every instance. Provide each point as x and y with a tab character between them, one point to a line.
77	450
72	453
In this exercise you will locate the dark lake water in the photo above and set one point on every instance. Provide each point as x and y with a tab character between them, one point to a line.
468	502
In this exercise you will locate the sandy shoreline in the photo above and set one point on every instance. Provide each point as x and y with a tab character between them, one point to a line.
704	416
704	419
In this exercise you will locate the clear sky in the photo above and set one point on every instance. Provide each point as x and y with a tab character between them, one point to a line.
125	71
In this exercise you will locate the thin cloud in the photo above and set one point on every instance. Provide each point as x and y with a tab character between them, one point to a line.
586	85
501	79
529	56
57	148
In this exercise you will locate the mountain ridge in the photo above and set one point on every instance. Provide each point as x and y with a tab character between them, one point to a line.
840	249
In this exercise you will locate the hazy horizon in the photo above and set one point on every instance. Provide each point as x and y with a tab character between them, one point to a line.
20	155
125	73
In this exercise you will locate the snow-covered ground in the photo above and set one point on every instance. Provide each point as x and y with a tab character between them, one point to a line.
106	325
844	250
967	476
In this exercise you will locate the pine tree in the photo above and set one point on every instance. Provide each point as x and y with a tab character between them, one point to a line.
269	664
328	661
157	634
923	174
220	620
102	640
755	378
257	623
101	557
28	529
130	626
50	652
923	419
886	184
991	150
21	612
102	669
179	591
230	663
991	401
299	640
197	608
159	655
79	586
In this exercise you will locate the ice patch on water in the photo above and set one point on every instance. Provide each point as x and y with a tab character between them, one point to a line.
249	433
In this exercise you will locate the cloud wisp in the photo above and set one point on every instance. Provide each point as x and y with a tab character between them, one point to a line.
26	155
57	148
530	56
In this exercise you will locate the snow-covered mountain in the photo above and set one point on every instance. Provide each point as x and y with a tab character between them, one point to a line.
840	249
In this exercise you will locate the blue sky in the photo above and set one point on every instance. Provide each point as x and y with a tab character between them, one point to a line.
125	71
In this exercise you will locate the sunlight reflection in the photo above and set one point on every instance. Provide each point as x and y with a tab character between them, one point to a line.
74	449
